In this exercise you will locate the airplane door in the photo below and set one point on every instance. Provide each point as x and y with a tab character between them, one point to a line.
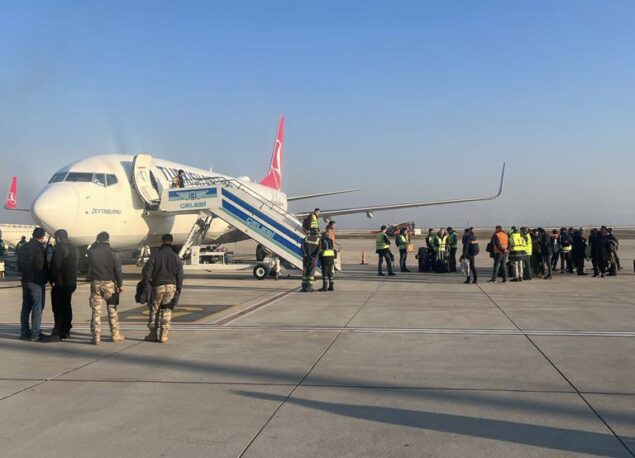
141	179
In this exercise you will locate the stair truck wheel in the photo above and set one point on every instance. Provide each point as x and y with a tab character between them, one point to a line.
261	271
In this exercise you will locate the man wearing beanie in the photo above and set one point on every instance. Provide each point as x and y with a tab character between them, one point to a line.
63	278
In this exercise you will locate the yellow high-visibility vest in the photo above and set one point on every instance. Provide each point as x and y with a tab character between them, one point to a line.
517	242
442	242
380	241
529	246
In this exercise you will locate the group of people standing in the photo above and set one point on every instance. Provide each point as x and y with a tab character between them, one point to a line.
520	254
531	253
58	266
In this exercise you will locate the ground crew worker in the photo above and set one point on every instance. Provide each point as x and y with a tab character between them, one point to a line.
330	233
312	221
382	245
402	242
453	244
104	273
518	250
330	230
566	247
500	245
181	178
63	278
327	259
529	249
440	245
20	244
311	253
430	246
164	271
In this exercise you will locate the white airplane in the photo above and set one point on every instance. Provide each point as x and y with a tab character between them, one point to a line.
114	192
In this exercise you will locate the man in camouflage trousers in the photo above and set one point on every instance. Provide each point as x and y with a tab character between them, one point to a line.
104	273
164	271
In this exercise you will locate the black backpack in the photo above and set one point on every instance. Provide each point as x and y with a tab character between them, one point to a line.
473	249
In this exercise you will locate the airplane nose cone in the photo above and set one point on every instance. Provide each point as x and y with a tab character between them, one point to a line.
56	208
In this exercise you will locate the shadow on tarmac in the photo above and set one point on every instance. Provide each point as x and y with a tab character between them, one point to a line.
551	437
268	376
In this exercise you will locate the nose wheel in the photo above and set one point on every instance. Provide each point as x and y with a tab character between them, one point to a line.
261	271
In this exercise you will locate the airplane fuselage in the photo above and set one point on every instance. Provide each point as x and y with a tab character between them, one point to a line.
97	194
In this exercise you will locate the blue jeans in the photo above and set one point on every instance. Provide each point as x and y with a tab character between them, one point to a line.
33	296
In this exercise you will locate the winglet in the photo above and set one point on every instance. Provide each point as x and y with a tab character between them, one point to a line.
274	177
500	189
11	202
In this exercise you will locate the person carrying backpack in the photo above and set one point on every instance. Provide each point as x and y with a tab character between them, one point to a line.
470	251
164	272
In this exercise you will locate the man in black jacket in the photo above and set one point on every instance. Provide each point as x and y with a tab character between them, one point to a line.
548	246
32	265
579	250
164	271
63	279
600	252
104	273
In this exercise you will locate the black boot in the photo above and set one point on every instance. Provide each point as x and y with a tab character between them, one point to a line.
324	286
331	286
467	281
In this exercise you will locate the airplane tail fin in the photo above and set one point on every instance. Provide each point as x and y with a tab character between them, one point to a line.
11	202
274	177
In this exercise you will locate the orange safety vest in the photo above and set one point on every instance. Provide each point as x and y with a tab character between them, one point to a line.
503	240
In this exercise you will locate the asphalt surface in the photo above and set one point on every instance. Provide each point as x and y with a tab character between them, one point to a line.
414	365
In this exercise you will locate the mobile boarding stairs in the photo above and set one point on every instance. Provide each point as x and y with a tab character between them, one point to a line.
247	211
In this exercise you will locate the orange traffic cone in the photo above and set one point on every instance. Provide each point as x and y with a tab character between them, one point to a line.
364	260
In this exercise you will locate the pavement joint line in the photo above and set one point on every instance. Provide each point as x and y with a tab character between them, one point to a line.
295	387
70	371
207	327
253	308
315	385
564	377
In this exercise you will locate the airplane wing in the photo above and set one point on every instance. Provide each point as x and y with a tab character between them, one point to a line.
311	196
372	209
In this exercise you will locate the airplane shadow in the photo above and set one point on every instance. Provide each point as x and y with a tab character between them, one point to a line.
551	437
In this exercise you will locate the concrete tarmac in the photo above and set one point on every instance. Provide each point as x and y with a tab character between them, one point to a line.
409	366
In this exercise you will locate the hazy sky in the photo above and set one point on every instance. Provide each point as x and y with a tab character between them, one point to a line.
411	100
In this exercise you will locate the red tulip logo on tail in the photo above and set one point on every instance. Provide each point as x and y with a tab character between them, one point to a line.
12	196
274	177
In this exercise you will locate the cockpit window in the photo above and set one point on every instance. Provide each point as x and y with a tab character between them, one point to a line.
111	179
58	177
80	176
100	179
